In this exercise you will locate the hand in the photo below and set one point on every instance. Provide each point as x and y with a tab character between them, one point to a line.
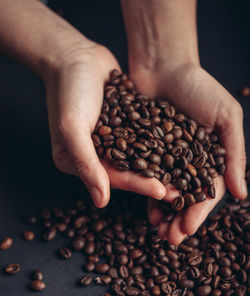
74	98
194	92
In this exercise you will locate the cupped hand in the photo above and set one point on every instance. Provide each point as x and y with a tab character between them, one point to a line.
197	94
74	99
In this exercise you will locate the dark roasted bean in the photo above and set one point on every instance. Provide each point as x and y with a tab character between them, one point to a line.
37	275
6	243
37	285
85	281
65	253
178	203
12	269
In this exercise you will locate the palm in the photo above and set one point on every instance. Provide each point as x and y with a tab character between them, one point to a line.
194	92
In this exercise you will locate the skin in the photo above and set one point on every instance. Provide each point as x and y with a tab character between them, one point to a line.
164	62
163	59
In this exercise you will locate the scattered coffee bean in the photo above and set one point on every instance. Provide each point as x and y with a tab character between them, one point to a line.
245	91
12	269
6	243
37	285
65	253
37	275
85	280
28	235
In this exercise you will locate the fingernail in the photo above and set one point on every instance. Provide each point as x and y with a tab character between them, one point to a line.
244	188
96	195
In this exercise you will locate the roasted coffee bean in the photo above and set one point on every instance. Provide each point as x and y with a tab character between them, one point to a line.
117	290
31	219
199	197
121	165
103	280
185	283
65	253
28	235
122	259
189	199
183	162
102	268
168	160
37	285
203	290
192	170
115	121
178	203
6	243
211	191
166	178
117	154
169	111
37	275
121	144
61	226
89	266
180	183
123	271
85	280
155	158
148	173
78	243
12	269
140	164
194	259
49	234
169	138
156	290
199	161
104	130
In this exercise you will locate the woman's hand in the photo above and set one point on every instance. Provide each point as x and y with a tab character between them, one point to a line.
74	99
197	94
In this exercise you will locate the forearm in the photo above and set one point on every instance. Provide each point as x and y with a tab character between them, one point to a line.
32	34
160	32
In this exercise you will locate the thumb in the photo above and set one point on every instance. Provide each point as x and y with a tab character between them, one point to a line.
232	138
87	165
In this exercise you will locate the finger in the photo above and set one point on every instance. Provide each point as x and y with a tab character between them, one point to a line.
155	214
171	193
195	215
232	138
87	165
175	233
131	181
163	230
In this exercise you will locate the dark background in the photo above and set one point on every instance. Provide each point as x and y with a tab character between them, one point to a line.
28	178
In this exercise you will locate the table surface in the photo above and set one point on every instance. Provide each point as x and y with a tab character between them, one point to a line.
28	178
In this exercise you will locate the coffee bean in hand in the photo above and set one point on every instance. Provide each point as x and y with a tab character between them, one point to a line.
152	138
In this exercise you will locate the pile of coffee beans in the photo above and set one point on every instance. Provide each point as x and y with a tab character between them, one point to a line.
128	257
150	137
126	254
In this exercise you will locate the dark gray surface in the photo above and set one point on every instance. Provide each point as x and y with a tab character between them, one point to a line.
28	179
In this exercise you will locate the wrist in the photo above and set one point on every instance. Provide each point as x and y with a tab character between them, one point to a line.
68	54
160	35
